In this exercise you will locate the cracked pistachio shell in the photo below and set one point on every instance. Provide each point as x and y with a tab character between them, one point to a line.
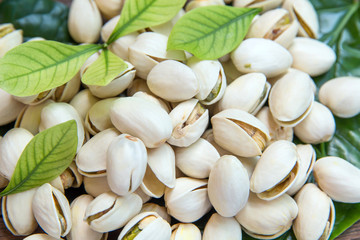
219	227
41	236
67	91
83	101
9	108
36	99
275	25
97	118
143	119
108	211
198	159
18	214
267	219
265	5
84	21
126	164
80	228
91	159
151	185
95	186
317	127
316	214
138	85
29	118
189	121
146	226
183	85
11	146
276	131
148	50
289	111
228	171
261	55
185	231
209	136
338	178
248	92
58	184
9	38
304	12
152	98
56	113
188	201
240	132
109	8
203	3
307	156
276	170
152	207
341	95
52	211
117	85
71	177
211	77
311	56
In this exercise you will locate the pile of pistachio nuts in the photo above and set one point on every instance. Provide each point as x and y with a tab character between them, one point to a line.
202	134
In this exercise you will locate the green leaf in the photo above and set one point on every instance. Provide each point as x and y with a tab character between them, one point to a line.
46	156
104	69
34	67
211	32
37	18
139	14
345	217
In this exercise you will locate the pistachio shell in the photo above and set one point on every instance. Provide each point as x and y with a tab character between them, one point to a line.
96	186
121	46
203	3
264	5
9	38
219	227
67	91
162	103
166	27
151	185
83	101
209	136
185	231
138	85
9	109
40	236
153	207
37	98
110	8
228	171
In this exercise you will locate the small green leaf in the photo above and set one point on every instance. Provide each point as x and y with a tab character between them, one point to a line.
139	14
34	67
211	32
46	156
104	69
37	18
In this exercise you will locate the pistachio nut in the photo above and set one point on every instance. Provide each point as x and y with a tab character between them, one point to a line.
153	207
341	96
211	78
202	3
126	164
55	113
71	177
264	5
117	85
108	211
30	116
80	228
209	136
183	85
97	118
267	219
197	159
146	226
219	227
96	186
152	98
166	27
41	236
84	21
228	201
83	101
18	214
52	211
317	127
338	178
276	25
289	111
261	55
67	91
188	201
189	120
121	46
138	85
185	231
307	156
304	12
316	214
240	132
248	92
58	184
109	26
37	98
92	157
109	8
9	38
11	146
276	170
311	56
143	119
276	131
10	108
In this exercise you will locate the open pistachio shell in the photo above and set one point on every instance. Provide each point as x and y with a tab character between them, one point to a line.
185	231
67	91
10	108
219	227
